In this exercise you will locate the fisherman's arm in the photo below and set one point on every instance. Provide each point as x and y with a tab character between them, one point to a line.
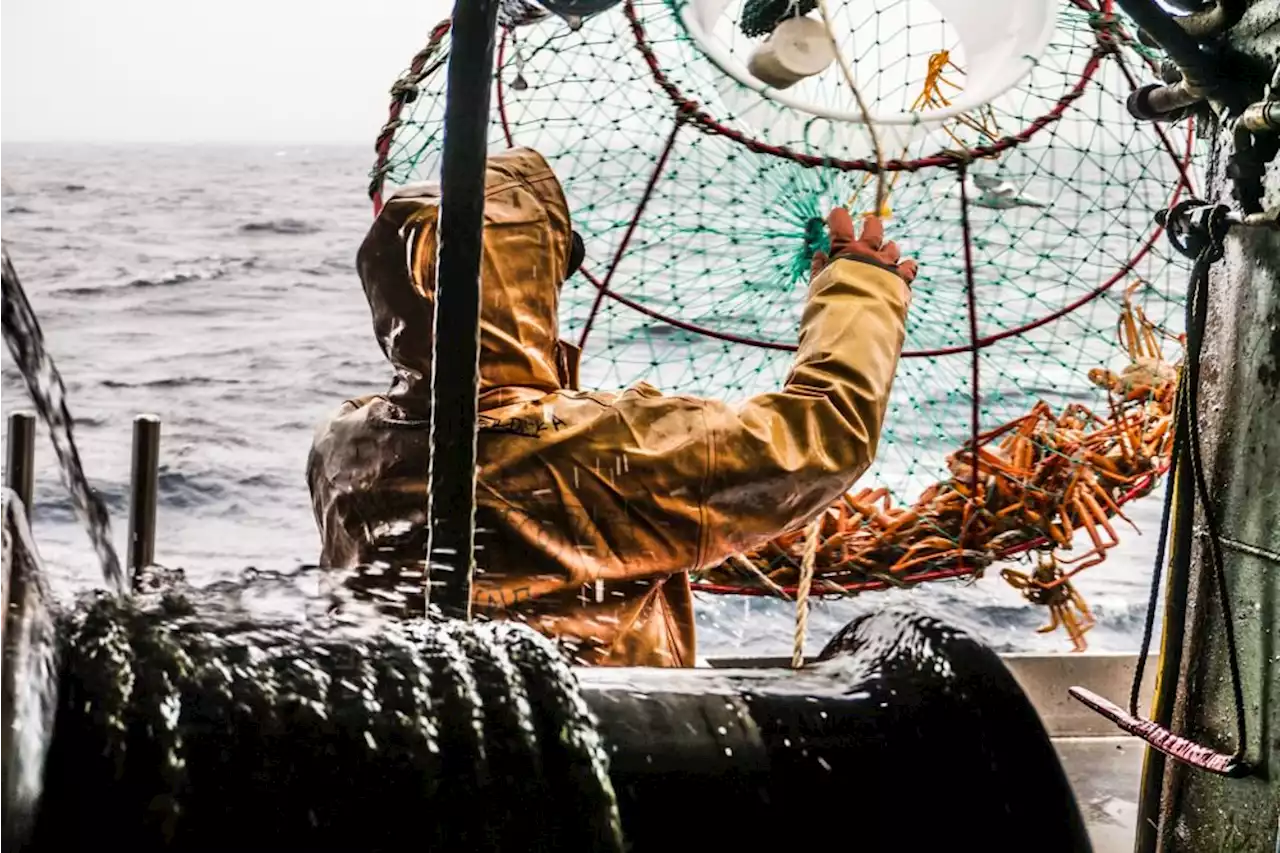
778	459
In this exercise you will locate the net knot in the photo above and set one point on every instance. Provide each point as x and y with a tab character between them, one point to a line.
405	90
960	158
1110	34
1104	23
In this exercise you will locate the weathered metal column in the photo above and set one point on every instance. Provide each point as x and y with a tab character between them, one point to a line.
19	465
1239	418
455	365
143	492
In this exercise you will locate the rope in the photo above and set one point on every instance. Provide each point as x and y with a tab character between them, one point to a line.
404	91
881	194
1153	600
975	368
802	592
1207	248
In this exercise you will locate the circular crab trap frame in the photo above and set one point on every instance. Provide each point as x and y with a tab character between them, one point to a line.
701	144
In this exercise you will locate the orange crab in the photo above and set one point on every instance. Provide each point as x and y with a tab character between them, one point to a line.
1148	375
1039	478
1048	586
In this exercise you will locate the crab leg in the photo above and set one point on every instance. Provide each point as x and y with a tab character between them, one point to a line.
1114	507
938	543
1153	345
1091	505
1055	619
1073	630
1067	529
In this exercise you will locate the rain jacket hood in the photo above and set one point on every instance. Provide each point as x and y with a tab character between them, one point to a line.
592	507
523	268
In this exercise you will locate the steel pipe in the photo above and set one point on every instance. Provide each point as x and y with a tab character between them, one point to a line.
144	484
1262	117
1212	19
455	363
1163	28
20	458
1157	102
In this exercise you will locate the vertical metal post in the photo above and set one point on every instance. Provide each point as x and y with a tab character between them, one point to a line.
455	376
19	464
144	479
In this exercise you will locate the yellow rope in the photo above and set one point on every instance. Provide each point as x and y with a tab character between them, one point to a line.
802	591
881	190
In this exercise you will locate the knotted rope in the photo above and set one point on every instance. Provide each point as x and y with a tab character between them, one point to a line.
802	591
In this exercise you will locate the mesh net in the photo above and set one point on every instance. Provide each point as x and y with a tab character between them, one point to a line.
701	204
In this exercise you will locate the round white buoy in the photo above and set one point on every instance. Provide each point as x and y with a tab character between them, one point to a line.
796	49
769	91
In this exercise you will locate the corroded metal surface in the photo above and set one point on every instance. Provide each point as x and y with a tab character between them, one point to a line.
1240	411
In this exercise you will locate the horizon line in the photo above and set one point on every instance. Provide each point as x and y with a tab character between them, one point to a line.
190	142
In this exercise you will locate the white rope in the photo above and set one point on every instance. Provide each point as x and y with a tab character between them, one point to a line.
881	193
743	563
802	591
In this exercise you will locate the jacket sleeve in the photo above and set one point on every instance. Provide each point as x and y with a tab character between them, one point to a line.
780	458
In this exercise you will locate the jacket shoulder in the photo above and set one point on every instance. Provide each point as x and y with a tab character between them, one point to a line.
417	190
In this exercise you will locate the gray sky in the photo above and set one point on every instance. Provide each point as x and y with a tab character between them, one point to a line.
204	71
277	71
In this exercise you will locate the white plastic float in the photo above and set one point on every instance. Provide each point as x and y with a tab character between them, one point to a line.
788	88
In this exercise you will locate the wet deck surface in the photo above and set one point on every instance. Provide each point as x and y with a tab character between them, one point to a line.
1103	765
1105	773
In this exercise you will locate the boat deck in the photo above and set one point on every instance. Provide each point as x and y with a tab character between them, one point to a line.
1105	773
1103	765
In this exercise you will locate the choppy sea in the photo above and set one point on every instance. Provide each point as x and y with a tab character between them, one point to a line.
216	288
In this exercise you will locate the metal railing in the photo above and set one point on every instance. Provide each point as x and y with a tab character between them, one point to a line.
144	479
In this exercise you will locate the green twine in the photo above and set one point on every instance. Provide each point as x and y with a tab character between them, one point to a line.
760	17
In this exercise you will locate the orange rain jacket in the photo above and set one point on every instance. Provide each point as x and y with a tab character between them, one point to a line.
592	508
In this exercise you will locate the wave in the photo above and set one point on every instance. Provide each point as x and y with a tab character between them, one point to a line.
51	503
176	277
169	278
280	226
172	382
177	490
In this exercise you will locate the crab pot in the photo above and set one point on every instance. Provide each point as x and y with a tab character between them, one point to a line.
185	725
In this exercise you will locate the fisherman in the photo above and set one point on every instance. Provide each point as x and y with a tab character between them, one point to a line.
592	508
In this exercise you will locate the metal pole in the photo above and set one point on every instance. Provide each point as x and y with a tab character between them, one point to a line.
19	466
143	488
1182	48
455	365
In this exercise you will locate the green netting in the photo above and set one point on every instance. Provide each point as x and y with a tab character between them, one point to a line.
700	222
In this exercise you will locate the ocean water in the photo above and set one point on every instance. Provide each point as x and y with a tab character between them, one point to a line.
216	288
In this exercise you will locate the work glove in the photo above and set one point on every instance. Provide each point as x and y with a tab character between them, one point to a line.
870	248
